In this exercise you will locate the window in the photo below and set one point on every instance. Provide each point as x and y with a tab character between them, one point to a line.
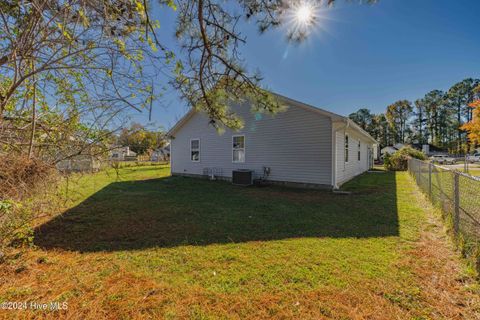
346	148
195	150
238	147
359	146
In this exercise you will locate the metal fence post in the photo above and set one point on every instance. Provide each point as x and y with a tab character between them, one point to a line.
430	180
415	170
456	202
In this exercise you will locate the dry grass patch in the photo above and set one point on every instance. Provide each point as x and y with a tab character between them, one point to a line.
448	284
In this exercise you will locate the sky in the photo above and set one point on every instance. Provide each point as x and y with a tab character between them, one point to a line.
358	56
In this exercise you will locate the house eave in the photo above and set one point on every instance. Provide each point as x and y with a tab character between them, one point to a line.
351	124
333	116
180	123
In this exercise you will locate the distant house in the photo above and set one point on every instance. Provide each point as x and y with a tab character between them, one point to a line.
376	152
429	149
425	148
79	163
161	154
122	154
302	145
388	150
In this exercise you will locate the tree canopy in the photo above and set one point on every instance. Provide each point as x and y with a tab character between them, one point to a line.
80	62
473	126
397	115
439	118
362	117
140	139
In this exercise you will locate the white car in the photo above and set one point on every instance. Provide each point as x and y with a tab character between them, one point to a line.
443	159
473	158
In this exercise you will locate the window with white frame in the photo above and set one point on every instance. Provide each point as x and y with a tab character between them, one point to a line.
195	150
359	149
238	148
346	148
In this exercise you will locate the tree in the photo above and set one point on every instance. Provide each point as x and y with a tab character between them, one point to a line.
375	124
434	106
140	140
397	115
419	122
434	119
380	130
58	135
473	126
73	48
363	118
81	60
459	96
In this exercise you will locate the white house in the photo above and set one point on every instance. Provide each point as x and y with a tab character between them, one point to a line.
398	146
120	153
388	149
79	163
302	145
161	154
391	149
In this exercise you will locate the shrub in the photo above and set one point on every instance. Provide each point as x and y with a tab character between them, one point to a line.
21	177
23	185
386	160
399	160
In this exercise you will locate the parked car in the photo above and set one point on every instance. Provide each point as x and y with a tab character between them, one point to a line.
473	158
443	159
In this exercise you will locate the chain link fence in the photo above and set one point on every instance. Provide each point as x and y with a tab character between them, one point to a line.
458	195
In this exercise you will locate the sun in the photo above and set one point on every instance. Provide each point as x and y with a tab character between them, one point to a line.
300	19
304	13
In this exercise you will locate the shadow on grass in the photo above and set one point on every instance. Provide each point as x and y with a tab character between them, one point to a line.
177	211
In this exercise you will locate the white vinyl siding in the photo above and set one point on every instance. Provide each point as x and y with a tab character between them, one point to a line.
295	144
358	146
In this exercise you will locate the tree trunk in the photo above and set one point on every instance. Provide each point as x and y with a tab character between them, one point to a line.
420	126
34	117
459	131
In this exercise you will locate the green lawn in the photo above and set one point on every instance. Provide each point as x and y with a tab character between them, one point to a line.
144	244
474	172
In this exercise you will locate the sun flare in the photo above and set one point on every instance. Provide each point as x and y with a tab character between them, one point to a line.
304	13
301	18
